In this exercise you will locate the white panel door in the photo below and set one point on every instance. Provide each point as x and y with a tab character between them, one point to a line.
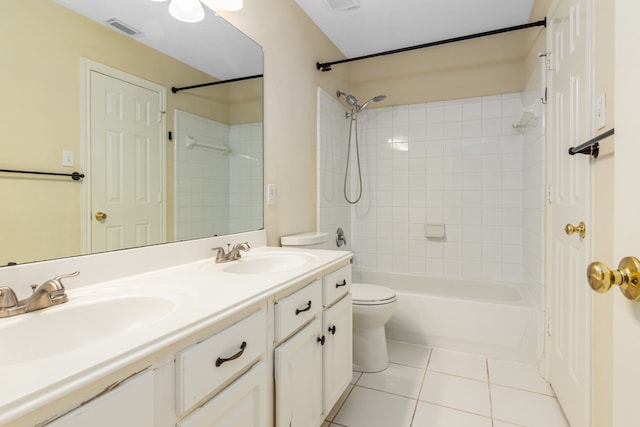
568	295
337	359
126	164
298	378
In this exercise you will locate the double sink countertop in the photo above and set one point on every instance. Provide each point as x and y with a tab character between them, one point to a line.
109	325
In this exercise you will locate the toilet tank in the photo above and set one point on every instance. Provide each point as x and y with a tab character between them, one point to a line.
310	240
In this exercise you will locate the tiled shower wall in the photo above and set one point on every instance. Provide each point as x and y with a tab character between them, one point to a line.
459	163
533	184
333	128
217	192
246	203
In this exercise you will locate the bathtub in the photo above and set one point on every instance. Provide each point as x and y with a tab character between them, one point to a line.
496	319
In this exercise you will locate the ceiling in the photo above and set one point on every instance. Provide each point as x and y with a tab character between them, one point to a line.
372	26
230	54
356	27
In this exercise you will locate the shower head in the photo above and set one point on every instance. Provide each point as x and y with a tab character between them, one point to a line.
374	99
353	102
350	99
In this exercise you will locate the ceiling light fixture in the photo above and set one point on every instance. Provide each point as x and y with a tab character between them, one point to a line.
186	10
226	5
192	11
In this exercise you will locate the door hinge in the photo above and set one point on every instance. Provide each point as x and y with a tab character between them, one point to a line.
549	195
549	331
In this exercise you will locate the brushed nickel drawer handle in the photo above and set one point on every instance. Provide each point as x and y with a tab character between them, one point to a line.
220	360
301	310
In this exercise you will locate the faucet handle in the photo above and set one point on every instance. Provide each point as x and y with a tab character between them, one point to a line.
8	298
55	286
64	276
220	253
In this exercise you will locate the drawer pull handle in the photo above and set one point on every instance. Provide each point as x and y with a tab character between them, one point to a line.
344	283
332	329
301	310
321	340
220	360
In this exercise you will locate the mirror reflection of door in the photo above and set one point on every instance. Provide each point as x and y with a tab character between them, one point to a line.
126	163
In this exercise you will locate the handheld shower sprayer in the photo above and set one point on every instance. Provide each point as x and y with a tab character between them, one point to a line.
353	131
353	102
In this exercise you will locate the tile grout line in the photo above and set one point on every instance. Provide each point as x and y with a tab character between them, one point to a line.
486	361
353	386
424	377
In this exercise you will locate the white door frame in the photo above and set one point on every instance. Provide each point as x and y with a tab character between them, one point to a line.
88	66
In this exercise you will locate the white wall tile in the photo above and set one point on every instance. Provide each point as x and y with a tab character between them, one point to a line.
458	162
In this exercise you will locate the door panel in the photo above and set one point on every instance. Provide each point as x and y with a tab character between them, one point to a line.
569	297
127	174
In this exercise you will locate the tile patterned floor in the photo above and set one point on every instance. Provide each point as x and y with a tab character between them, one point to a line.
425	387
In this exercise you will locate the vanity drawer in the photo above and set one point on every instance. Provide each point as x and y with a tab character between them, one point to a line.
242	403
203	367
335	285
297	309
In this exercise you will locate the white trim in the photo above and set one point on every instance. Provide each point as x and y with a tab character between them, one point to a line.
88	66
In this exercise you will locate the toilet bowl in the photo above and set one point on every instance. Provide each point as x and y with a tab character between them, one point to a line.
373	307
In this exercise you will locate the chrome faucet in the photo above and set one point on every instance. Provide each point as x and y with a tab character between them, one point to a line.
232	254
48	294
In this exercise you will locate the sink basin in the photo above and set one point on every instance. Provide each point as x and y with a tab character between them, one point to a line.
76	324
268	263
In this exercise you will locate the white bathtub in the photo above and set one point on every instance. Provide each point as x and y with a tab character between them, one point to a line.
495	319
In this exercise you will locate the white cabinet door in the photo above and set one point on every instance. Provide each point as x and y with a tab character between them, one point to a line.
243	403
298	378
338	351
129	404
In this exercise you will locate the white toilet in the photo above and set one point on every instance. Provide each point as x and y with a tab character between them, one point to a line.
373	306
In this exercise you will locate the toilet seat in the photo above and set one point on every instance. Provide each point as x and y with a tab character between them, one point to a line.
365	294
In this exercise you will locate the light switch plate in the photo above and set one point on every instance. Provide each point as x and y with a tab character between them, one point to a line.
67	158
271	194
601	111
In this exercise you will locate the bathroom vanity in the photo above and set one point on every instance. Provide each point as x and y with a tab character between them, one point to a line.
265	339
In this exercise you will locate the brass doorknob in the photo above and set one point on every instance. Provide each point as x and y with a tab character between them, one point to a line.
627	276
580	229
101	216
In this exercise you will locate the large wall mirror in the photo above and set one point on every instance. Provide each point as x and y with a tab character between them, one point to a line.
88	89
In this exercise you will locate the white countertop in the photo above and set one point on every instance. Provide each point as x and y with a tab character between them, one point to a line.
202	292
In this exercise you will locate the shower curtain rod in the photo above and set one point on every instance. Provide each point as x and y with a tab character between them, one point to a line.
178	89
326	66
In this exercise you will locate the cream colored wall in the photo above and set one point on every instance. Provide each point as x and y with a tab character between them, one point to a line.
478	67
466	69
40	66
292	45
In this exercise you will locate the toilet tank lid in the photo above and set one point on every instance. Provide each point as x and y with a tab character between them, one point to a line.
311	238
